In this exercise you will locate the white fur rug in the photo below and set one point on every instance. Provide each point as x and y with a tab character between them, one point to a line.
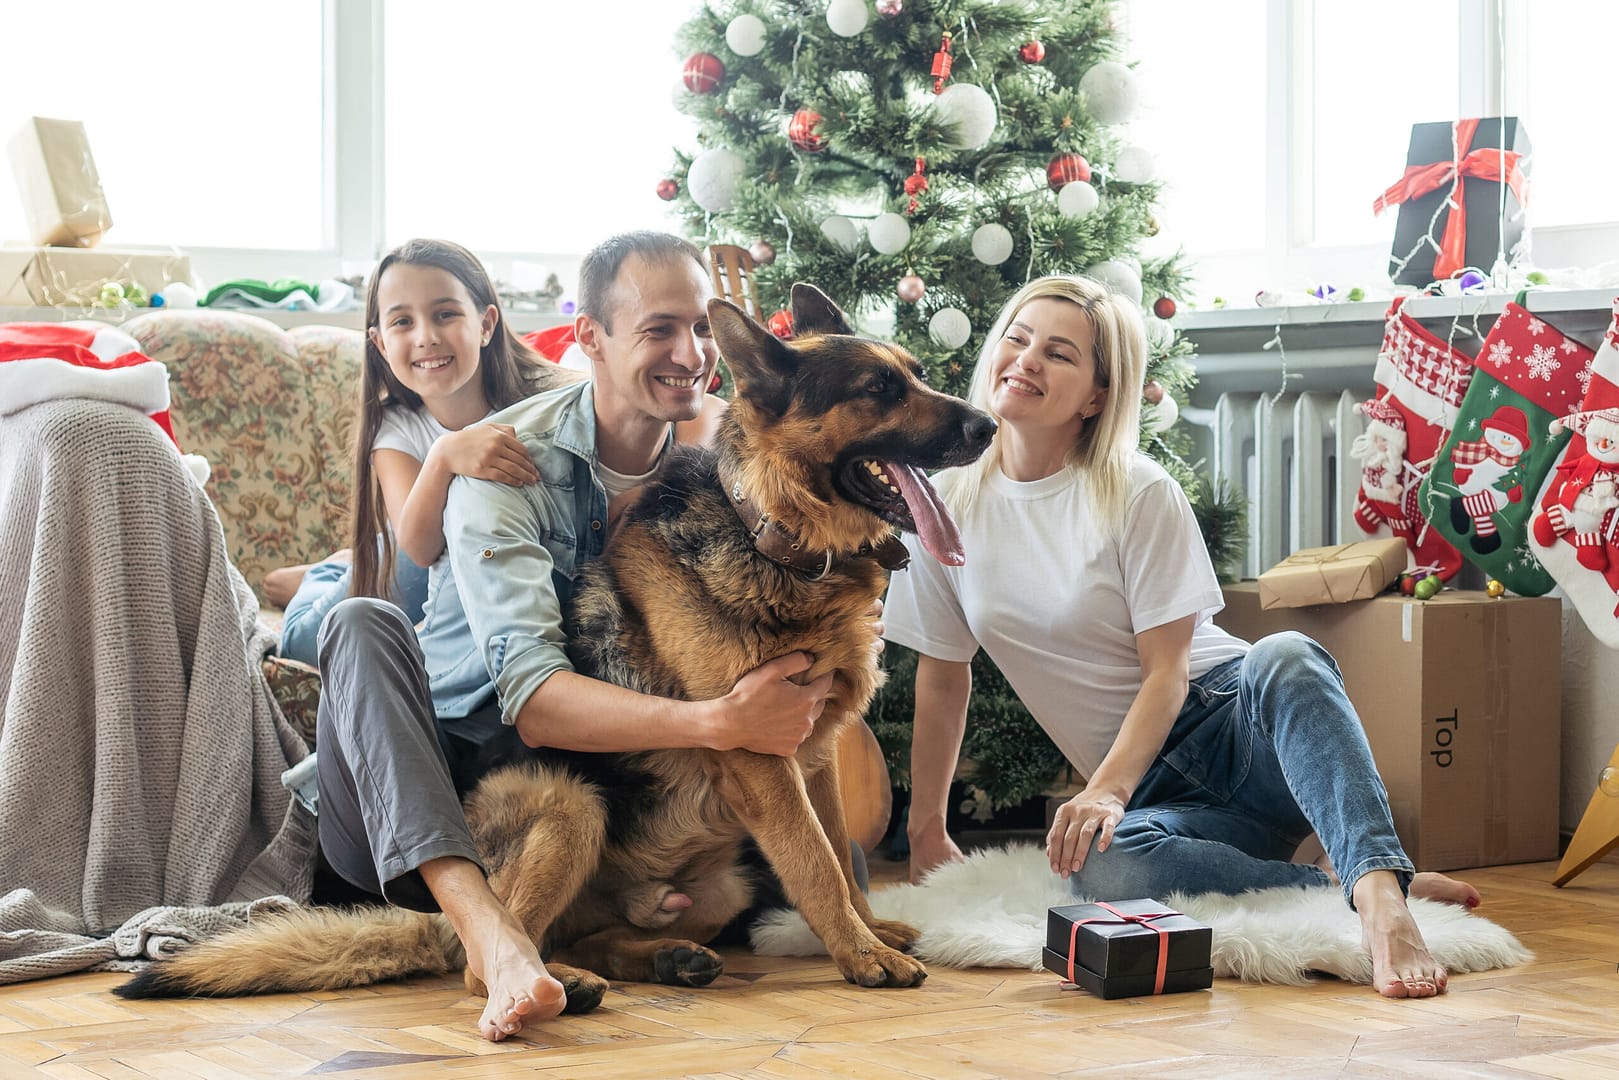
990	911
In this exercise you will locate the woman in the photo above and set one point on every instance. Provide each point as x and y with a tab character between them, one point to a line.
1087	582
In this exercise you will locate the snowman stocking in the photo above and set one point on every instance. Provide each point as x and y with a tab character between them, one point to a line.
1576	526
1480	494
1420	384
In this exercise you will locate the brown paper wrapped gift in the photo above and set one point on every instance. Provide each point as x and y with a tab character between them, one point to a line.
73	277
58	182
1332	575
13	261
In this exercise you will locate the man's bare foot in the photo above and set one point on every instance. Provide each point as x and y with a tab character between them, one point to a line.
520	990
1401	965
1445	890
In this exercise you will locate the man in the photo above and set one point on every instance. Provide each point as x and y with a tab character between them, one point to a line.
392	773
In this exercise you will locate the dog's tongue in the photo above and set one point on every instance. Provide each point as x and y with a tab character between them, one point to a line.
933	522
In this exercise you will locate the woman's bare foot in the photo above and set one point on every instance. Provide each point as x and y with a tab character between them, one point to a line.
1401	965
1445	890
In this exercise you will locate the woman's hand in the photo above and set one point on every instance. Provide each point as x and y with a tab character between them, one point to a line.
1087	816
488	452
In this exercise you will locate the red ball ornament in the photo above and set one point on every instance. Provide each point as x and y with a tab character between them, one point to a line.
1408	584
910	288
1153	392
1031	52
781	324
763	252
802	134
702	73
1164	307
1065	169
667	189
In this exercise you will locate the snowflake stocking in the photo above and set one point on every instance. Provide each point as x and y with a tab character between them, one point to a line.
1575	529
1481	492
1420	384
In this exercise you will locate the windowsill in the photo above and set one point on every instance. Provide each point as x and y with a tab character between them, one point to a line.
521	321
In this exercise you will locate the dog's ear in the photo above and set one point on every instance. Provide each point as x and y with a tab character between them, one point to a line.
815	313
761	365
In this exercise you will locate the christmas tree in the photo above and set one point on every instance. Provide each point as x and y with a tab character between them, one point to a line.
920	160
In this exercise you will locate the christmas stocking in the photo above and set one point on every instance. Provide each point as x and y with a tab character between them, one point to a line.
1420	384
1576	524
1481	492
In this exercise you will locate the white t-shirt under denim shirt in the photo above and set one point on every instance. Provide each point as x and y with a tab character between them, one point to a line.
1056	602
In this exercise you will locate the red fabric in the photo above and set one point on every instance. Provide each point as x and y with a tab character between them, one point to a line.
1486	163
550	343
1471	453
1120	919
74	345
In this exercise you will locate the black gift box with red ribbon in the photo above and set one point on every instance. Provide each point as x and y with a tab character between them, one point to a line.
1128	948
1464	187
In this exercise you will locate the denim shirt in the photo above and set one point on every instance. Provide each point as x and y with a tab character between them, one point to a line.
494	612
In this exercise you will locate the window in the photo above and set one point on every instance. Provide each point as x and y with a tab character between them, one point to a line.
1569	50
535	127
200	138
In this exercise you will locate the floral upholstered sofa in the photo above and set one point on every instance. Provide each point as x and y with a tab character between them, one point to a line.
273	411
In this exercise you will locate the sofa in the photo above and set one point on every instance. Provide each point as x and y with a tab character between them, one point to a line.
272	411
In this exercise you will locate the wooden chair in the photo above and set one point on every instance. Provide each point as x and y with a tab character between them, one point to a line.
1597	834
732	268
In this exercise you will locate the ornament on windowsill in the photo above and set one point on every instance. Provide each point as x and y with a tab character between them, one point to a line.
763	253
941	63
1031	52
1065	169
802	134
1164	307
702	73
668	189
910	288
915	185
846	18
745	35
781	324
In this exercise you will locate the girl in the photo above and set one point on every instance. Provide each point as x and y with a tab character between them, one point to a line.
438	358
1209	760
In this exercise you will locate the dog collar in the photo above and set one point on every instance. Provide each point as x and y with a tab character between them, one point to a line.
772	540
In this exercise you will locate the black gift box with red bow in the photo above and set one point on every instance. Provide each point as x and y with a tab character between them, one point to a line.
1128	948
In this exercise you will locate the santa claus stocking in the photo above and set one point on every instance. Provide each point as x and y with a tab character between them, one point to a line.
1420	384
1481	492
1576	525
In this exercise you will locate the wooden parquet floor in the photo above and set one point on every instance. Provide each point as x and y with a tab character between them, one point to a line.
1557	1016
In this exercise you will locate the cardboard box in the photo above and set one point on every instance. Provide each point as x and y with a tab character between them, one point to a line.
1114	957
73	277
13	261
57	179
1332	575
1461	702
1489	222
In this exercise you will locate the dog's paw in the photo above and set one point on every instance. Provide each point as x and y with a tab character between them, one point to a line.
883	966
896	935
584	989
686	963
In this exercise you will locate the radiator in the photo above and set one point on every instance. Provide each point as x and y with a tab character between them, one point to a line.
1288	457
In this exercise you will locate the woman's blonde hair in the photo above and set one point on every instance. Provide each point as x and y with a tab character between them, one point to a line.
1107	441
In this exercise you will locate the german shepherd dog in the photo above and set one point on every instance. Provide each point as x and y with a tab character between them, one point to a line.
775	541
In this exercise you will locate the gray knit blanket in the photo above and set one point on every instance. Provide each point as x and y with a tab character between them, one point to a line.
140	750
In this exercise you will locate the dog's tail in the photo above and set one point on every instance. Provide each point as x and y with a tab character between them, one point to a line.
308	949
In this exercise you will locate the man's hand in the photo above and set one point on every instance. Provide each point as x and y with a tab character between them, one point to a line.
930	848
767	712
488	452
1085	817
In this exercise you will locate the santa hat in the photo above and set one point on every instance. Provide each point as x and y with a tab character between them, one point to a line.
1379	411
1509	420
1602	391
55	361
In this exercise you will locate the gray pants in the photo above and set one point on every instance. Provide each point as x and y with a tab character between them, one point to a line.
391	774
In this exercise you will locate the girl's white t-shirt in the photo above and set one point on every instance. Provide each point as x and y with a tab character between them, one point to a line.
411	431
1056	601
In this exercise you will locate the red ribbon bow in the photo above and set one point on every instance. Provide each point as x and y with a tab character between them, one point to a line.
1122	919
1485	163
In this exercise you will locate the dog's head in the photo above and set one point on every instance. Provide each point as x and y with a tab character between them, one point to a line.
833	433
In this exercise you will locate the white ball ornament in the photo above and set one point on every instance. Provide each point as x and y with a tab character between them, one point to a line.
1160	417
846	18
888	233
1160	335
1077	199
1117	276
178	294
967	113
950	328
745	35
992	244
841	231
1110	91
713	178
1135	165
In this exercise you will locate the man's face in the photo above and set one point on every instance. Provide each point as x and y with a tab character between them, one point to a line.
658	358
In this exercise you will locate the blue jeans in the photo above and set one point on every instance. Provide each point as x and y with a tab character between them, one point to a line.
327	583
1266	748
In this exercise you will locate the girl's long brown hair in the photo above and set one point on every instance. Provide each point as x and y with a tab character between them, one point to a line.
508	369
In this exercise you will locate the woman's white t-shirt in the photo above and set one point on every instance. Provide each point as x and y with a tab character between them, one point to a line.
1056	601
